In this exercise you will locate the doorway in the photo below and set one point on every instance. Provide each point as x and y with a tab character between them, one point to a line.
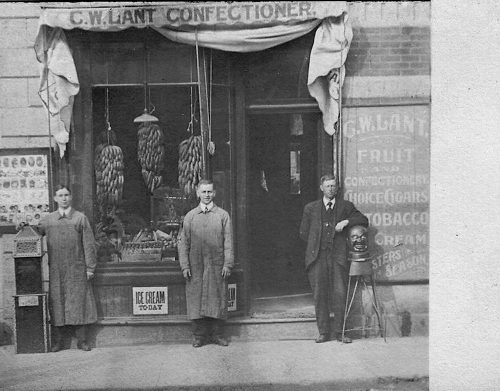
282	179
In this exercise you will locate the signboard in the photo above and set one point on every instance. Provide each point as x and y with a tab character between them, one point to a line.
231	297
28	301
387	178
24	188
179	14
150	300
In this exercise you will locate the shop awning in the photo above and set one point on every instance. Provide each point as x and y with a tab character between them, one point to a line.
228	26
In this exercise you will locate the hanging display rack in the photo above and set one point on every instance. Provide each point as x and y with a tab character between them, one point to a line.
146	116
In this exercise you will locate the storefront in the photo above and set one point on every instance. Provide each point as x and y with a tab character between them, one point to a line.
221	72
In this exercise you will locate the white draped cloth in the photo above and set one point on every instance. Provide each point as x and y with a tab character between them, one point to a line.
58	83
326	65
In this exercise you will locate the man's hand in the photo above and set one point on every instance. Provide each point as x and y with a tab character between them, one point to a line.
90	275
226	272
20	225
341	225
187	274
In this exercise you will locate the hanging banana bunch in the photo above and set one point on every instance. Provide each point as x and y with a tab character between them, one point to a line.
151	153
190	164
108	166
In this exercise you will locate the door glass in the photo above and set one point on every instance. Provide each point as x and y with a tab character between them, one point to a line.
295	170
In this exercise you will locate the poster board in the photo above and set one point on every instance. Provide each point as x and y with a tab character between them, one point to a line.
24	187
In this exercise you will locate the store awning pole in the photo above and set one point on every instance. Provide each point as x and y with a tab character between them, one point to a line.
202	90
49	163
340	174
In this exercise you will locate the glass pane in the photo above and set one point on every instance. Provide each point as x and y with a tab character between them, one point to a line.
279	73
221	160
118	63
171	62
295	172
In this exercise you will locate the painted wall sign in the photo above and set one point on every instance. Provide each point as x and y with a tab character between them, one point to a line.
150	300
387	178
191	14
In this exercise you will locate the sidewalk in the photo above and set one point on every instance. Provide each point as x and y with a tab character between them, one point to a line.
272	365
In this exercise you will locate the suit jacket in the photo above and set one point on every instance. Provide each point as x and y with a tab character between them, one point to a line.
310	229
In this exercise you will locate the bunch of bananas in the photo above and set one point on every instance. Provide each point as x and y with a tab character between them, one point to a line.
190	164
108	166
150	153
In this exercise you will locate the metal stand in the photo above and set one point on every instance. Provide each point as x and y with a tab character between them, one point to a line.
373	296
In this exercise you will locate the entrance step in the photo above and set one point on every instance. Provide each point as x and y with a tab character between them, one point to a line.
130	331
298	306
284	317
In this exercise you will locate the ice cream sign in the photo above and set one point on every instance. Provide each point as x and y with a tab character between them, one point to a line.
150	300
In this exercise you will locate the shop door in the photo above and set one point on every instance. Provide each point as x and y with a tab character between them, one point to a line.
283	163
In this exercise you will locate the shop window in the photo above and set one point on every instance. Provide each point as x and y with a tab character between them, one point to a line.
172	95
279	73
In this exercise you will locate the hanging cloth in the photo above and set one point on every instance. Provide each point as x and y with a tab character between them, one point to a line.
58	82
241	40
326	66
248	30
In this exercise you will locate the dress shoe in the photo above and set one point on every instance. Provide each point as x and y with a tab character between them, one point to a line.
198	343
343	340
322	338
221	341
55	348
83	346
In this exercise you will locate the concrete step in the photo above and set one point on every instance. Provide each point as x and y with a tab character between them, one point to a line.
132	331
282	317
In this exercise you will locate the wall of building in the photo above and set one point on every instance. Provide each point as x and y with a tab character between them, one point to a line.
388	61
23	122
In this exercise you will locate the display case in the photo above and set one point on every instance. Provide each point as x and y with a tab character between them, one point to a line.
168	208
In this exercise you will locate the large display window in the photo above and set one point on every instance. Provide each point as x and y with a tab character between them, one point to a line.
140	71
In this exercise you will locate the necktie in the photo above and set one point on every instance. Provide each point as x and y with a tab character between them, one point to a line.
329	206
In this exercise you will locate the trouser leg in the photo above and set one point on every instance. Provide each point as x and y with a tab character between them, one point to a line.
218	327
318	278
81	333
201	328
59	334
340	276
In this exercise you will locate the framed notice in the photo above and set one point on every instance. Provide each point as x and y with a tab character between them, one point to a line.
231	297
150	300
24	187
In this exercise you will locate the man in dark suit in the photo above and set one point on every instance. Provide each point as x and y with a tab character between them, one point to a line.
323	227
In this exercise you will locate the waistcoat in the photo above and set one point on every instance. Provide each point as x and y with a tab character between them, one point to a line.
327	229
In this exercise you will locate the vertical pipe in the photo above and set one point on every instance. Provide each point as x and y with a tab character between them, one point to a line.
46	74
340	154
202	90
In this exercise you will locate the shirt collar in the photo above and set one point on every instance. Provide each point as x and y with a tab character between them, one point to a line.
326	201
64	212
208	207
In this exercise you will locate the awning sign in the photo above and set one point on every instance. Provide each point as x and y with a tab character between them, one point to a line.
150	300
189	14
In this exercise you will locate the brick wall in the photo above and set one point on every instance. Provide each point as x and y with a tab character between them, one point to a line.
394	51
23	121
